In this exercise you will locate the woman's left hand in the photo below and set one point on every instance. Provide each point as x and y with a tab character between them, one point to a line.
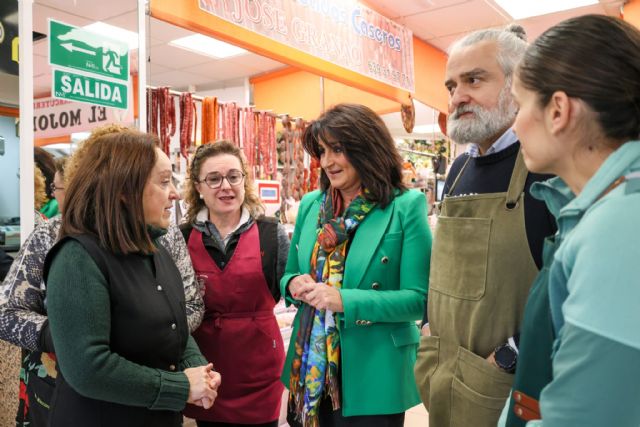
323	297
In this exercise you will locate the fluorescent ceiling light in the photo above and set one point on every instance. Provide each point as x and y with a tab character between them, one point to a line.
433	128
207	46
117	33
520	9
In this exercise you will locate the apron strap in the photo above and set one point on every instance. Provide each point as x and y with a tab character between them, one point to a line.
455	182
517	183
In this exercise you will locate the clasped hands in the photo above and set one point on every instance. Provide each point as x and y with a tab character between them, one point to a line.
203	385
318	295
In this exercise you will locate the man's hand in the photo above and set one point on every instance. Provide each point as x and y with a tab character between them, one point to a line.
492	360
426	330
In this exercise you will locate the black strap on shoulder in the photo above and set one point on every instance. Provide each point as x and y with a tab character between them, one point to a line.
268	235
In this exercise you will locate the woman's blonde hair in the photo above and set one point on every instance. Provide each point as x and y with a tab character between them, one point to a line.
39	191
202	153
72	163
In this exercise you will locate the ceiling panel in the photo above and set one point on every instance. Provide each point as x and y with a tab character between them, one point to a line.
222	70
41	14
178	79
127	21
396	9
160	30
443	43
157	69
256	62
175	58
92	9
447	21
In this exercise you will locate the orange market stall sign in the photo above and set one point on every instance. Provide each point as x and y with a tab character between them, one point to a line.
343	32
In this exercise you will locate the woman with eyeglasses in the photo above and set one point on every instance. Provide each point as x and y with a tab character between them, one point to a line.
239	257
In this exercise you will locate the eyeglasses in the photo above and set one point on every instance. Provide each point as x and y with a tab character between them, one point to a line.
214	179
54	188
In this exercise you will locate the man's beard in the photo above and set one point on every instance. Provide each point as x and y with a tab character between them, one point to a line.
485	125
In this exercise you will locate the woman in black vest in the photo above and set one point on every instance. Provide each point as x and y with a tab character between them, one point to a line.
115	300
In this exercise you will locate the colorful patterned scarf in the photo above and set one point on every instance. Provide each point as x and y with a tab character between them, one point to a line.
316	363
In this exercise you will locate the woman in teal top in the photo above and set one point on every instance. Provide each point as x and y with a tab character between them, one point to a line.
578	90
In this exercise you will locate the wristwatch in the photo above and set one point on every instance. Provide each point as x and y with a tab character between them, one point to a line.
506	357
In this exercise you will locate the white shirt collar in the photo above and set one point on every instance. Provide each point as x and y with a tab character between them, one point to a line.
506	140
203	216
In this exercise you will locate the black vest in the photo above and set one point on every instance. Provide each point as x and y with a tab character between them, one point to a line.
148	327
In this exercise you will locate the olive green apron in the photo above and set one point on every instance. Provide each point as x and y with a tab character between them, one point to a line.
481	272
536	344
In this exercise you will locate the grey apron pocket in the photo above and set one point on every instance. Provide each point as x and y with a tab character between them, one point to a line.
460	252
478	392
426	365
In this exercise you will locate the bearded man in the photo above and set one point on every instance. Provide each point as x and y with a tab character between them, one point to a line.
488	241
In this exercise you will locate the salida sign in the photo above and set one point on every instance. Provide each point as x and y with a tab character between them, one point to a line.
96	69
55	117
76	87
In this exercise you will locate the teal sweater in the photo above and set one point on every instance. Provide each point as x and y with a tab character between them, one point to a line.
78	306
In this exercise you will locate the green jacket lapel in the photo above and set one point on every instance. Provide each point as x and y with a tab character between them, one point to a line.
367	239
308	236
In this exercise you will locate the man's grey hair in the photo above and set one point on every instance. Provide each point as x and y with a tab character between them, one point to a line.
512	42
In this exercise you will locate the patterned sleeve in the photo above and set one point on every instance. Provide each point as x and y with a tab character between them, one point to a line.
22	309
283	251
175	244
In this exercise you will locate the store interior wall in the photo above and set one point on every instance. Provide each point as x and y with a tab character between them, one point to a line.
9	94
9	161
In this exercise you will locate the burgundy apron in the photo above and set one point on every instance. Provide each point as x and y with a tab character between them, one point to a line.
239	334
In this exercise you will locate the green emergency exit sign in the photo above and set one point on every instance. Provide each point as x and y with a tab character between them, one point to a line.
78	87
79	49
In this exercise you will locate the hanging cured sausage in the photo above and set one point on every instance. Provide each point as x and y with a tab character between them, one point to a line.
209	119
187	115
285	154
161	116
246	122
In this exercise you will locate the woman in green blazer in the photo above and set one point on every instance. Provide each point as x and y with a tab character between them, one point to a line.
358	271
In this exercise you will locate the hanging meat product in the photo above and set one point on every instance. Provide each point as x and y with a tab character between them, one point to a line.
229	127
298	161
285	154
314	175
187	113
209	119
161	116
247	138
267	144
